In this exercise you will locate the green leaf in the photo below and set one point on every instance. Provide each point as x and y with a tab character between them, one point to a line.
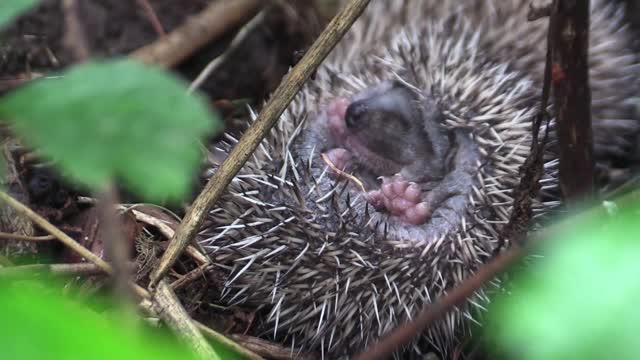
39	324
118	119
12	8
581	300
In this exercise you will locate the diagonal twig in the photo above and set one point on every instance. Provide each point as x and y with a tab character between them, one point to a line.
172	312
499	264
64	238
218	60
197	31
254	135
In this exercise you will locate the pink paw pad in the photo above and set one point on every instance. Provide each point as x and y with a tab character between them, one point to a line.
402	199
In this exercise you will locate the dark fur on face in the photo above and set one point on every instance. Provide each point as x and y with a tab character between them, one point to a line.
392	130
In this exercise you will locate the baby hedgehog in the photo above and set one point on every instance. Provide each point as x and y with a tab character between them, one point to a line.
389	178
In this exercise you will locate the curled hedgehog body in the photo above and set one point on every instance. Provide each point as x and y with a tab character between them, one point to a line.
332	264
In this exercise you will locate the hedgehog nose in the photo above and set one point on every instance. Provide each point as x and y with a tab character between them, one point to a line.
355	112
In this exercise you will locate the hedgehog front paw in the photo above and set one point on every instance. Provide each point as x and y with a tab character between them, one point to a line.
340	162
402	199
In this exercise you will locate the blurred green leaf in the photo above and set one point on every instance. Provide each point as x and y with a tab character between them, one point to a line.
39	324
12	8
581	300
118	119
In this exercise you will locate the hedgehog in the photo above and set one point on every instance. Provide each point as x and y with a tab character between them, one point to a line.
389	178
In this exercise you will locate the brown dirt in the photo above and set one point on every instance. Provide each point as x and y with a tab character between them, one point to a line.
117	27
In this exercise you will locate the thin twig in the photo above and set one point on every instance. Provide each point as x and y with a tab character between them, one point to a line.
215	20
64	238
162	226
343	173
174	315
533	167
166	230
190	276
237	40
238	347
403	334
281	98
51	229
269	349
7	236
152	16
148	307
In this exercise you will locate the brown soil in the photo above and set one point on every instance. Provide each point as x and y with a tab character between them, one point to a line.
117	27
